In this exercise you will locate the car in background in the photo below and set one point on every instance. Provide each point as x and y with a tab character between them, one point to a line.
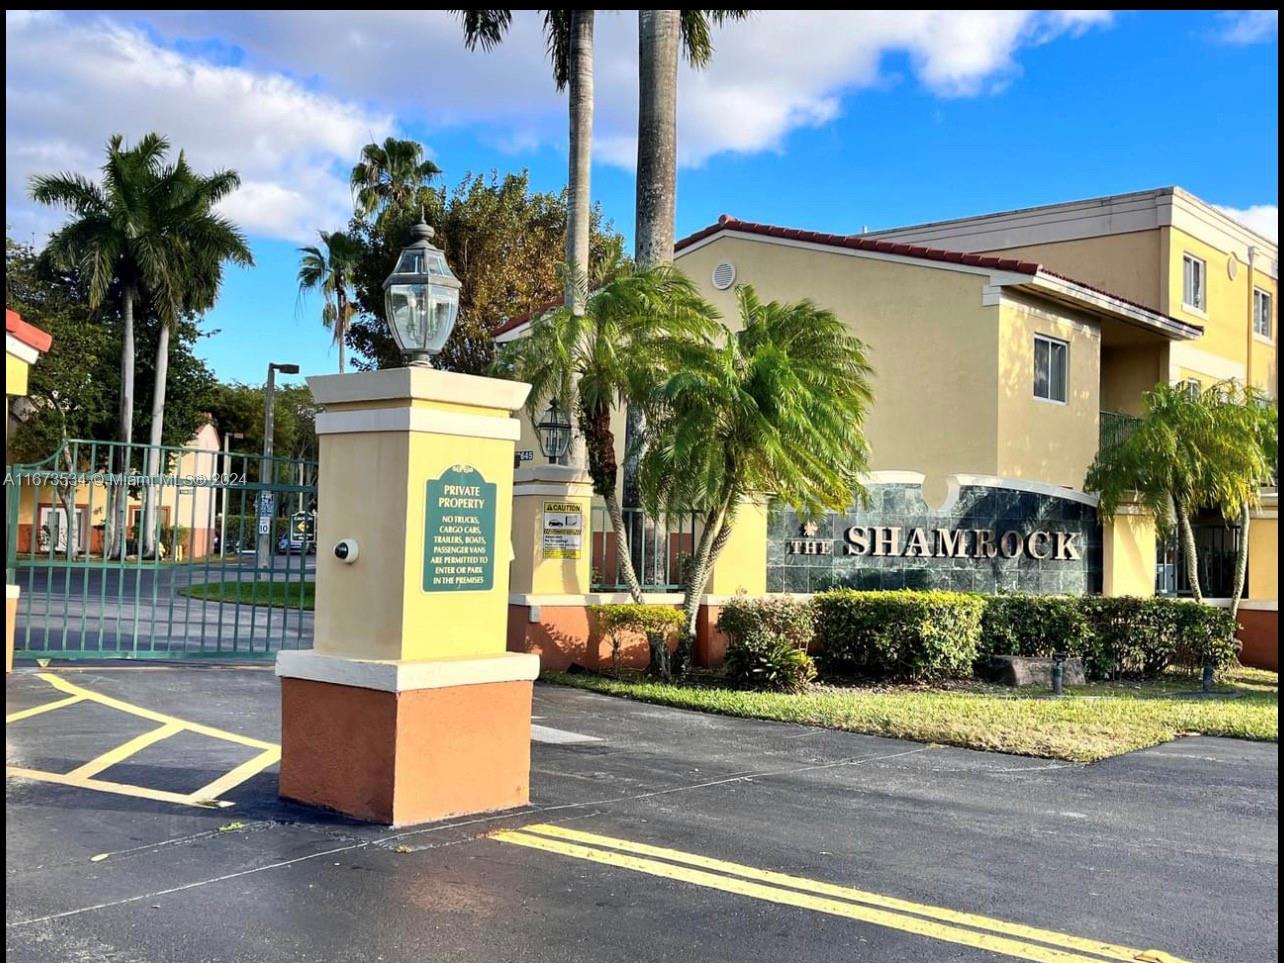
295	545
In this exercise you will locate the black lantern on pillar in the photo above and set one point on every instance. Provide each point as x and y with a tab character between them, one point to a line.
421	297
554	432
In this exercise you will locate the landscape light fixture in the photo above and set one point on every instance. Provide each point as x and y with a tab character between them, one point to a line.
554	432
421	297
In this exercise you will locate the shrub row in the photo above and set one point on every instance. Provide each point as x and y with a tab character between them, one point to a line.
930	636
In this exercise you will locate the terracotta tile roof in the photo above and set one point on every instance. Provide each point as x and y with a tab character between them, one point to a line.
28	334
856	242
519	321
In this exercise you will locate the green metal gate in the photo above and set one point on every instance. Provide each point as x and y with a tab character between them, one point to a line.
140	552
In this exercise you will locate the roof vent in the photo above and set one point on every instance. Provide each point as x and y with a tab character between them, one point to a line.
724	275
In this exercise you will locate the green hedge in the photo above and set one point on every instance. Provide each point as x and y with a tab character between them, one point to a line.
906	635
1037	626
1115	637
767	643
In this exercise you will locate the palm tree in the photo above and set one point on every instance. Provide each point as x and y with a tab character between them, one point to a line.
203	241
633	333
569	37
776	407
1191	450
660	34
390	174
330	272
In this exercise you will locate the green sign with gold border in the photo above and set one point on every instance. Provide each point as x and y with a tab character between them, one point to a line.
459	532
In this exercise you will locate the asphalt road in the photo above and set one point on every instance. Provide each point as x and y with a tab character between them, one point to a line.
1173	848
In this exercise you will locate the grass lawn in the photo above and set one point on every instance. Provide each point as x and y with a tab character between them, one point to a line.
1086	724
290	595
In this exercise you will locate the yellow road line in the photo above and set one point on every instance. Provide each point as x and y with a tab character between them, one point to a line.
1109	950
124	751
119	788
47	707
231	780
742	887
71	689
82	776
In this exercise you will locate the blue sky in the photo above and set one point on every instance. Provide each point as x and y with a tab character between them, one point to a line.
826	121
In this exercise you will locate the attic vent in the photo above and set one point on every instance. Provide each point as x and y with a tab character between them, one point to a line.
724	275
1232	266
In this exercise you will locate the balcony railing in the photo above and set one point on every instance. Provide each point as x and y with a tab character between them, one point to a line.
1115	428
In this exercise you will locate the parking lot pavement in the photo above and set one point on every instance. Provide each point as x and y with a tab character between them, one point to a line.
654	834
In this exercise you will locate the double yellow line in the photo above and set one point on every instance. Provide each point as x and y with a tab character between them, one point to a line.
934	922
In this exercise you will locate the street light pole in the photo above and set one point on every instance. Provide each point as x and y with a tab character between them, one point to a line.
266	504
222	524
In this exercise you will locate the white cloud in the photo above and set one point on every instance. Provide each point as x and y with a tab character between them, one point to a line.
71	84
1244	27
1262	218
306	90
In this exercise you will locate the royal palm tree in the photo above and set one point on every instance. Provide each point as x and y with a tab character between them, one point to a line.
329	269
632	334
777	407
204	241
1191	450
390	174
569	38
662	35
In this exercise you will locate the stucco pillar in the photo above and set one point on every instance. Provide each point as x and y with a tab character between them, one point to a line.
1128	553
552	511
1264	550
742	566
23	343
409	708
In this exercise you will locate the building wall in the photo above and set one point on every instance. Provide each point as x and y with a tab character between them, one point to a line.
1129	372
1129	265
930	339
1044	440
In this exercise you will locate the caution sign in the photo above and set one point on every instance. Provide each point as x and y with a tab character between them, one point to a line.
563	529
459	532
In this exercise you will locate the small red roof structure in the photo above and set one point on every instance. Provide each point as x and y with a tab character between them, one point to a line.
28	334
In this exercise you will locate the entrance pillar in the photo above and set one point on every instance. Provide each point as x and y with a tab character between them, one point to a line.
408	708
1128	552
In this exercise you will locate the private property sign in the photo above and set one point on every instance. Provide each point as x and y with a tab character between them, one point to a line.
563	529
459	532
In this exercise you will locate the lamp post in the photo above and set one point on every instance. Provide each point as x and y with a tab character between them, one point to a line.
421	298
267	507
222	524
554	433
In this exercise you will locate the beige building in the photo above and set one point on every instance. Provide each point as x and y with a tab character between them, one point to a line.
1162	248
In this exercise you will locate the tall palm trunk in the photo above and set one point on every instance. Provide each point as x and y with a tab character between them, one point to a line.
1189	549
147	539
341	326
659	36
1241	560
117	519
579	170
694	581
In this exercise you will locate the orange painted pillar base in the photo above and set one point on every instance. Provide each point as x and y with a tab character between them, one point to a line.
401	743
10	622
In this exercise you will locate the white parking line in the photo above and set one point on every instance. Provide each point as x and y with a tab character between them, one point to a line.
559	737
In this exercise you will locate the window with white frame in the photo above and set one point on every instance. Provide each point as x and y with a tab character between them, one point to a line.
1261	313
1191	386
1051	368
1193	275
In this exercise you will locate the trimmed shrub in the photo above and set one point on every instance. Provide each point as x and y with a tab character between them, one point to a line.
767	643
1036	626
1136	637
657	622
1203	635
791	619
916	636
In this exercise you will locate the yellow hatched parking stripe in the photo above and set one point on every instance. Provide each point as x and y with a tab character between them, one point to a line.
82	777
934	922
